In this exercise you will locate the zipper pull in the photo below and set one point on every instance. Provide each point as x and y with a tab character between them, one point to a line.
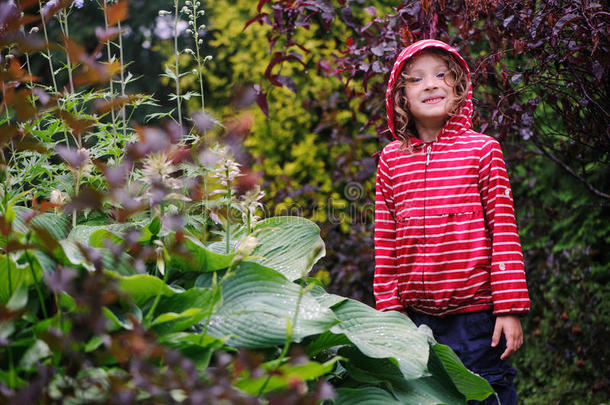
428	150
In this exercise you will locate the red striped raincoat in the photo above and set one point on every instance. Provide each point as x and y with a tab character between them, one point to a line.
445	235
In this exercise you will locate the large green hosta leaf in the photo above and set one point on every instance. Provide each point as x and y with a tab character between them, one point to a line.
284	375
181	311
197	347
384	335
143	287
365	396
286	244
431	390
200	258
471	385
83	233
257	304
56	225
18	275
122	265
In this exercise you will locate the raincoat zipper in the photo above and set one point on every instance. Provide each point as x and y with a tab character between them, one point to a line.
428	150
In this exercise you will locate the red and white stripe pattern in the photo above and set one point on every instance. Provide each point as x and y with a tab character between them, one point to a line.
445	235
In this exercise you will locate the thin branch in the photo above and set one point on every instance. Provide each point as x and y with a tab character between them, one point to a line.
572	172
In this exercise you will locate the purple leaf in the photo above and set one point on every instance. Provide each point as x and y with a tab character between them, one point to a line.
379	49
203	120
371	10
288	82
74	157
88	198
568	18
598	70
261	100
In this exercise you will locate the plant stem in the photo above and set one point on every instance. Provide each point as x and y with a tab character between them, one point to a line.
122	80
77	177
36	282
8	260
177	67
46	39
108	49
12	383
199	71
63	17
199	67
228	225
151	312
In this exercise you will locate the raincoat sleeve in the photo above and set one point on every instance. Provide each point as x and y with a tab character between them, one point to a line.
385	282
508	287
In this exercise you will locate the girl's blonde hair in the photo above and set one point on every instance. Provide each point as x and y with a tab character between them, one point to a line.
404	126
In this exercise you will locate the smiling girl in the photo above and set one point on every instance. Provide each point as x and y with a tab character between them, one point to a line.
447	251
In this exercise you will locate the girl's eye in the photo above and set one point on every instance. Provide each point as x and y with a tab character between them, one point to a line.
413	79
441	75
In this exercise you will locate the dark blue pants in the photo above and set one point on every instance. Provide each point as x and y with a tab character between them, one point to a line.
469	335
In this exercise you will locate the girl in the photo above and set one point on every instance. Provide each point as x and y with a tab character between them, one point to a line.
447	250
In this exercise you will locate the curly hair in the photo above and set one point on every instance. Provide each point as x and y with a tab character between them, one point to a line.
404	125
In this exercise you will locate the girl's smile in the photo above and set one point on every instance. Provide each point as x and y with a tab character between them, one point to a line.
433	100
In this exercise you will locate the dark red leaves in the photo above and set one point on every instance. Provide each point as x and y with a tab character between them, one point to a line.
104	106
261	100
106	34
77	124
92	71
87	198
117	12
563	21
260	5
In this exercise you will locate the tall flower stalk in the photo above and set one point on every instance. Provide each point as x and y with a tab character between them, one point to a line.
123	112
176	60
192	11
226	173
109	52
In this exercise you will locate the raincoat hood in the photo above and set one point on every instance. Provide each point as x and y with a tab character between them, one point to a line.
458	122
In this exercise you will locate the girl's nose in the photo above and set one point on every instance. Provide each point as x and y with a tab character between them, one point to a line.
429	82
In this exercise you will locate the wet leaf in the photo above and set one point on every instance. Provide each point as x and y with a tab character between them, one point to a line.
257	301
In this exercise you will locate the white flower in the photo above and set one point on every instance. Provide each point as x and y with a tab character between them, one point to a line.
227	170
58	197
157	166
247	245
248	204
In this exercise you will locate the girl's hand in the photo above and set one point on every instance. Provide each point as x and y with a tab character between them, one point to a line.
510	325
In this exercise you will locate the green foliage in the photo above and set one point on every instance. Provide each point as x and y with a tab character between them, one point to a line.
564	235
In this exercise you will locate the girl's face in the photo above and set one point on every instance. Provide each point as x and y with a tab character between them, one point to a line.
429	93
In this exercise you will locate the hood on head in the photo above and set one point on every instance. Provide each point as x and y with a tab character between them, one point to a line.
462	119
